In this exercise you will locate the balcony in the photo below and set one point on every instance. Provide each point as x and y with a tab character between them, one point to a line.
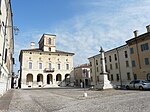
49	70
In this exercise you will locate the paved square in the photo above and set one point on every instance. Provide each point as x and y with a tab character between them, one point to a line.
72	100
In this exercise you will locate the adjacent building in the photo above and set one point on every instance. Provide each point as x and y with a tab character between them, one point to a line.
140	54
45	66
6	46
82	75
118	66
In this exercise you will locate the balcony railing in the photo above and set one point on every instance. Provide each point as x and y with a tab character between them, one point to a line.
49	70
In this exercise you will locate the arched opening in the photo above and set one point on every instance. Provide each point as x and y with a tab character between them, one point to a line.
86	82
58	77
67	79
39	78
29	79
49	79
148	76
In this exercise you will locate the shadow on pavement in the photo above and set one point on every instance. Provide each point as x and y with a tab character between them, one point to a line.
5	100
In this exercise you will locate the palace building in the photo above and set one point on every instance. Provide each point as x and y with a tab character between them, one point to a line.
140	54
118	66
82	75
45	66
125	63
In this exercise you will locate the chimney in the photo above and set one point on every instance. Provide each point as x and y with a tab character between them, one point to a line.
136	33
32	45
148	28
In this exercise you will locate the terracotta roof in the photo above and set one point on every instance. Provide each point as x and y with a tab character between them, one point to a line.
39	50
87	65
109	50
139	37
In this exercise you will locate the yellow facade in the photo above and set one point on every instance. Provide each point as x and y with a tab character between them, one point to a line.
45	66
140	54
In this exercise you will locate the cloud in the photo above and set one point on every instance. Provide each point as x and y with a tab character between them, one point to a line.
84	34
109	26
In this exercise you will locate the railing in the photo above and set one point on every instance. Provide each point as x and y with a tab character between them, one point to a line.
49	70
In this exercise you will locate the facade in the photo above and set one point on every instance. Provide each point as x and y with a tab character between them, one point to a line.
82	75
140	54
6	46
45	66
117	64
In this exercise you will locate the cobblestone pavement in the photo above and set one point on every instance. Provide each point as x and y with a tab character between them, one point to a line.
72	100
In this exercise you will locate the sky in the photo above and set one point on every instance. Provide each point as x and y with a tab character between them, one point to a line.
80	26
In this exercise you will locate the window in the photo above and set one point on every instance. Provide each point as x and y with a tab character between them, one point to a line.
50	65
105	60
115	57
97	69
127	63
133	63
131	50
96	62
137	81
49	41
128	76
91	63
144	47
112	78
97	78
106	68
125	54
67	66
117	77
91	79
116	64
146	61
58	66
111	66
109	58
40	65
5	55
30	65
91	70
49	49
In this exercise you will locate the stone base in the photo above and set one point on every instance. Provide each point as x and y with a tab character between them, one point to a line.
104	83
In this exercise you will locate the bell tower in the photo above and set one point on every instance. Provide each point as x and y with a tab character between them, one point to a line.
47	43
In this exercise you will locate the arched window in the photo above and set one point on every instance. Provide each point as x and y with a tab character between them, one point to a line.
30	65
49	49
29	78
58	66
58	77
40	65
67	66
49	41
50	65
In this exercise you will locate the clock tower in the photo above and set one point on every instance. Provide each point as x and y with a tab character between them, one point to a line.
47	43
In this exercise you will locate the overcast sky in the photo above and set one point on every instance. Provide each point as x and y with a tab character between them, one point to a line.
81	26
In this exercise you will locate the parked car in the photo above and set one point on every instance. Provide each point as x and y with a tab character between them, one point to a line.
138	84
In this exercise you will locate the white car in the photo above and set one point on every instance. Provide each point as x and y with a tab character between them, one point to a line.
138	84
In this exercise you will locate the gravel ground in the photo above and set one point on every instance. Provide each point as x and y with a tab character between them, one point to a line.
72	100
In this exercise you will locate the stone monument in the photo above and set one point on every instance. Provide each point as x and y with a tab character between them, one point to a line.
103	78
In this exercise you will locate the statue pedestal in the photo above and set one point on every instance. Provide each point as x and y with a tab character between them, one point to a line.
104	83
